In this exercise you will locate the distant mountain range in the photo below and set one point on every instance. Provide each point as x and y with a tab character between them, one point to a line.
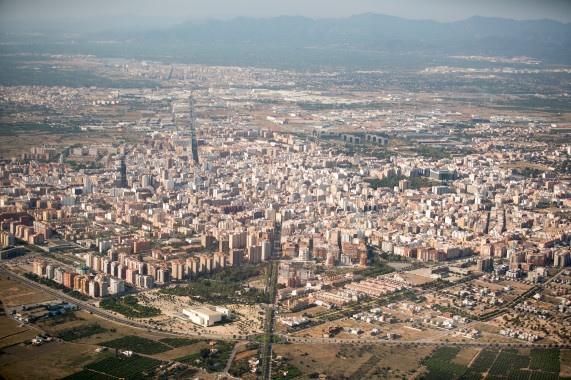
543	39
546	40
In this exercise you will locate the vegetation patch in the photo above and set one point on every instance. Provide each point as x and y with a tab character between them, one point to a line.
179	342
88	375
217	293
446	353
431	152
484	360
457	369
377	268
237	275
507	361
545	360
81	332
138	344
123	366
210	359
391	182
239	368
129	307
285	370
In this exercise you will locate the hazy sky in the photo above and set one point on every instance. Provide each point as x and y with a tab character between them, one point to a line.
440	10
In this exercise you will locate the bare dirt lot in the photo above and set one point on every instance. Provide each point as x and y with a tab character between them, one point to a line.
13	293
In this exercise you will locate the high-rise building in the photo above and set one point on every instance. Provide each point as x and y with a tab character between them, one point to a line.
177	269
116	286
255	254
123	173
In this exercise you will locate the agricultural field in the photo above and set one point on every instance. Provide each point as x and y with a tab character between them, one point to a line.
179	342
190	349
89	375
123	367
137	344
494	364
82	331
80	322
545	360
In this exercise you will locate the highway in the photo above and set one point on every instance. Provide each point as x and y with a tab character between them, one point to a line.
109	315
427	343
266	359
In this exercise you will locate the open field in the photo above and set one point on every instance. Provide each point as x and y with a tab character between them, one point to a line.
11	333
354	361
50	361
466	356
13	293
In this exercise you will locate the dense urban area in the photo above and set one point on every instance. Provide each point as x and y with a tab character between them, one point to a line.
238	222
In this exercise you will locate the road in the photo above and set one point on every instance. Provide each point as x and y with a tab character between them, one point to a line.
224	374
106	314
270	320
269	325
421	342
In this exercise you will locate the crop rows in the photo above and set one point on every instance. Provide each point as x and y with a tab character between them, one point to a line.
445	353
545	360
537	375
178	342
519	374
138	344
88	375
124	366
507	361
436	374
484	360
454	368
